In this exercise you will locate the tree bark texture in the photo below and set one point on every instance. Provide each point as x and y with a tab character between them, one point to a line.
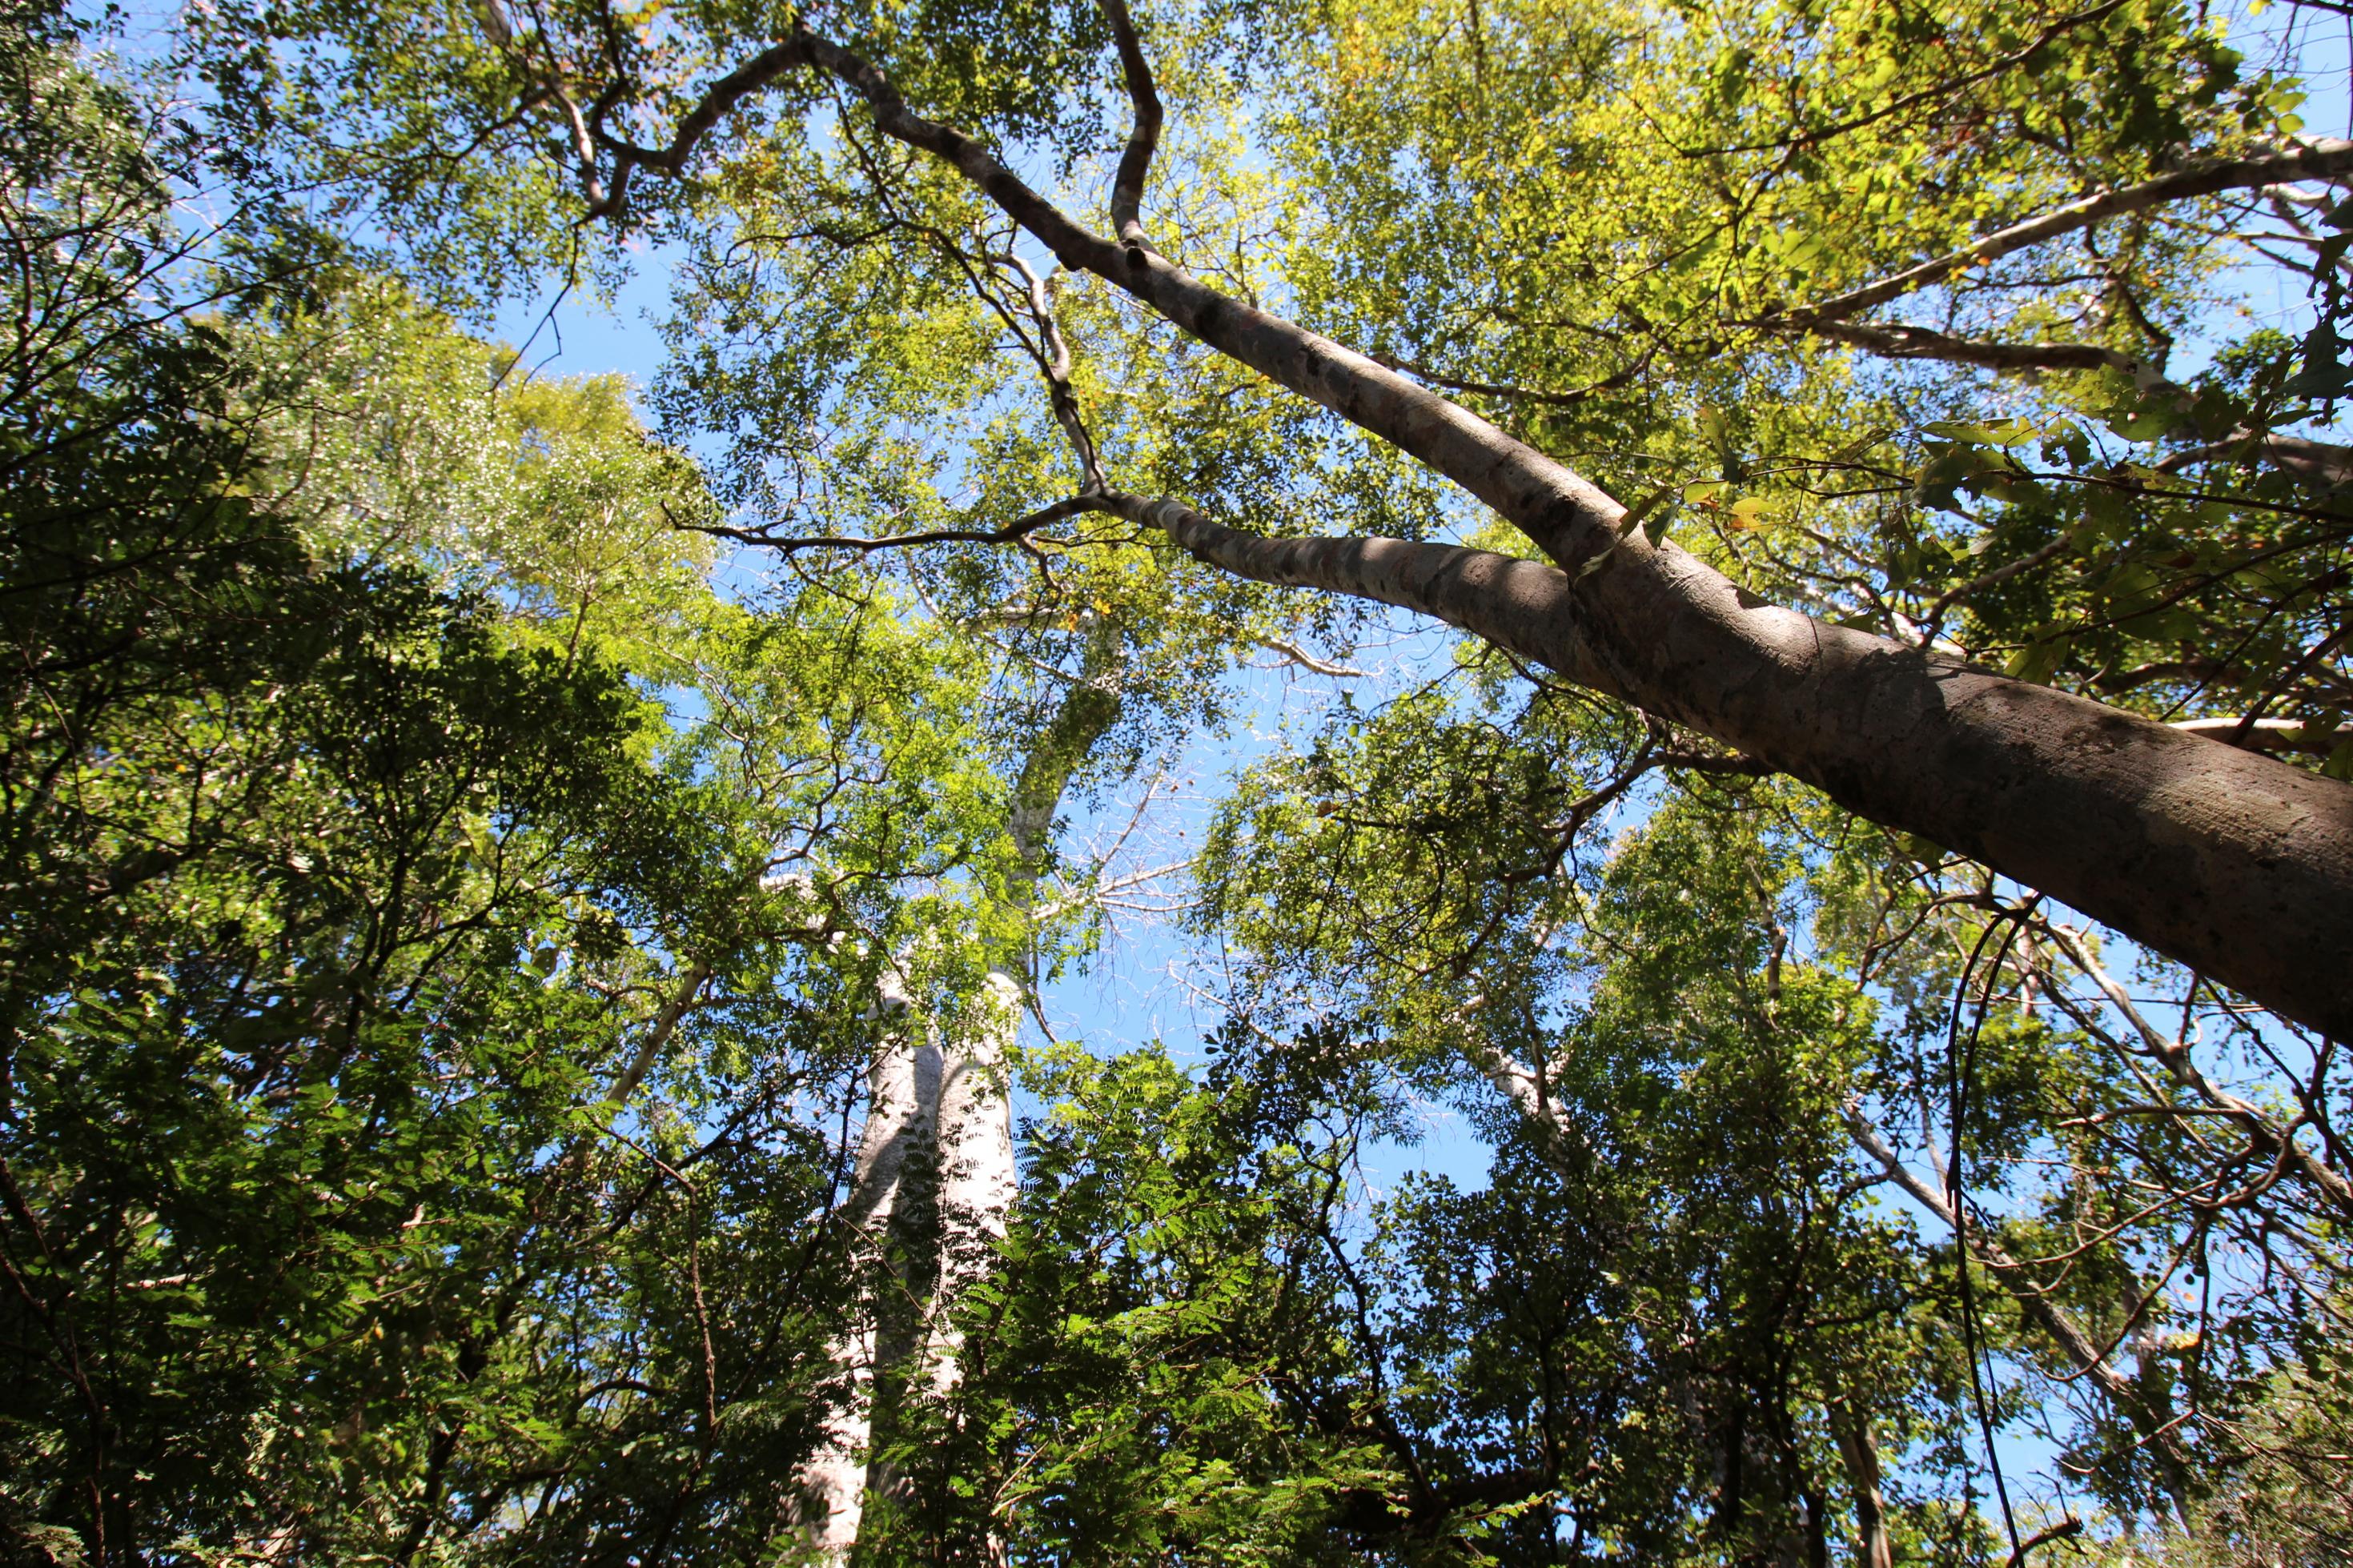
2237	865
887	1202
937	1174
978	1178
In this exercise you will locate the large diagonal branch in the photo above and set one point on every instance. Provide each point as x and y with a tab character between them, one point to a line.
1525	607
2326	159
2236	864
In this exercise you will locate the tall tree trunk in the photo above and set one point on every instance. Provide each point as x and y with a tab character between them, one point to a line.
977	1174
1852	1429
936	1175
887	1207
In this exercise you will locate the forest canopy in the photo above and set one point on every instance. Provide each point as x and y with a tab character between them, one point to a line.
1707	641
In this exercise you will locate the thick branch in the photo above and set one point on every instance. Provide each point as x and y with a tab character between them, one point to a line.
1086	713
1523	607
2322	460
2236	864
690	985
1904	340
718	102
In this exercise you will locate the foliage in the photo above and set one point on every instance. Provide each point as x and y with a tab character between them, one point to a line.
446	931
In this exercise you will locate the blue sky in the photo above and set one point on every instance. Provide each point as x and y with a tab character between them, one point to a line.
1149	983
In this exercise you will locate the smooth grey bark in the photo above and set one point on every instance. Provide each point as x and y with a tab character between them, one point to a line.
977	1174
683	995
2237	865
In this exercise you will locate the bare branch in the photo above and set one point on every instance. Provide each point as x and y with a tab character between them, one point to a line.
2326	159
2076	1344
753	76
1305	660
1020	528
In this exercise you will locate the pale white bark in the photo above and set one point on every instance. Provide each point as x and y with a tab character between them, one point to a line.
936	1171
893	1149
977	1174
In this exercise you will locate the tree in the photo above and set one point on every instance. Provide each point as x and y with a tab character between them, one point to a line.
392	999
1821	1155
2232	863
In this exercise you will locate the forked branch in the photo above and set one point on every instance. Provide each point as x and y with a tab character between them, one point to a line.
2154	1424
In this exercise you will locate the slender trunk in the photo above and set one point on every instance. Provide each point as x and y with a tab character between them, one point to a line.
1852	1429
2237	865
